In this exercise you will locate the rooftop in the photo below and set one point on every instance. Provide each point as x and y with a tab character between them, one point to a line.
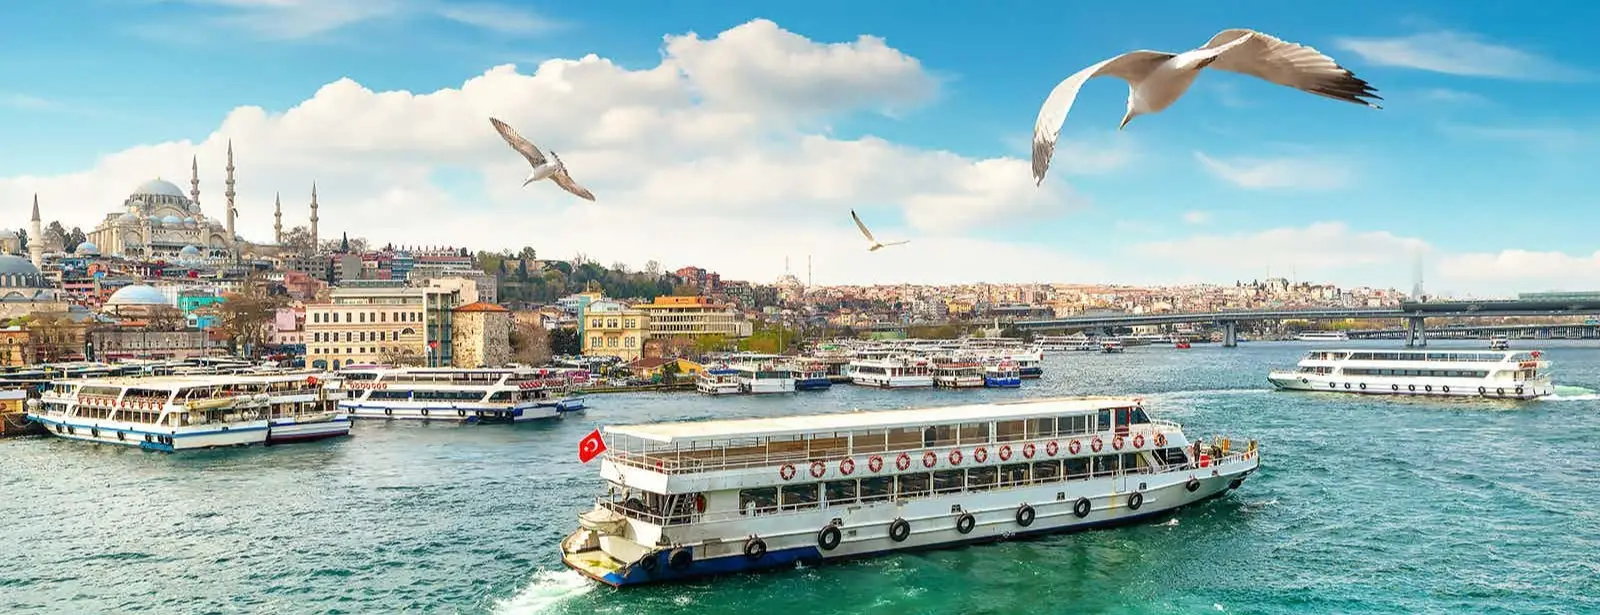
178	382
481	306
670	433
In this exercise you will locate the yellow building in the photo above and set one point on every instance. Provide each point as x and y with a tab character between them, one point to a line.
611	329
693	317
382	323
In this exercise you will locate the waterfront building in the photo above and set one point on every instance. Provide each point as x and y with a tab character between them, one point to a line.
611	329
482	335
693	317
381	322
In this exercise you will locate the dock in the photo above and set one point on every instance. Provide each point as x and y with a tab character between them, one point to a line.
13	418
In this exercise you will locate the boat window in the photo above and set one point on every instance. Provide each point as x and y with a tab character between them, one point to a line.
1104	465
797	497
1046	471
911	486
940	435
1078	467
1042	428
1014	474
869	441
840	492
980	479
946	481
1009	431
1103	420
501	396
905	439
1073	425
1132	462
758	500
877	489
1138	417
974	433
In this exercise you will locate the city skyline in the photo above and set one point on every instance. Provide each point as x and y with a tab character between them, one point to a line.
787	124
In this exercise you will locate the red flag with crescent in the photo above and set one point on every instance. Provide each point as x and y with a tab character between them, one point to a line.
591	446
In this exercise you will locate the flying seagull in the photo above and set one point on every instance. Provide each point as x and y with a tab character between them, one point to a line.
1156	79
551	169
874	244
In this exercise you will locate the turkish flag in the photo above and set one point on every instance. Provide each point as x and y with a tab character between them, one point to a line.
591	446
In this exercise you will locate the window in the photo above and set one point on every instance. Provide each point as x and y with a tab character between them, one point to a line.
911	485
1008	431
629	323
628	342
947	481
876	489
595	341
974	433
754	501
797	497
840	492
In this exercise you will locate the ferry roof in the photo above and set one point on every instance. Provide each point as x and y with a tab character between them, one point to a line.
196	380
669	433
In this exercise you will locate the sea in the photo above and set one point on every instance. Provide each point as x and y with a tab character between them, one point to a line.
1364	505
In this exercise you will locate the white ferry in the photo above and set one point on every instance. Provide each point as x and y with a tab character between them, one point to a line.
1111	345
763	378
1323	336
717	381
175	413
1499	342
892	372
1029	363
1456	373
958	375
1067	343
458	395
694	499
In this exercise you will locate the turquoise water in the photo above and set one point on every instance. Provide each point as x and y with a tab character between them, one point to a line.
1364	505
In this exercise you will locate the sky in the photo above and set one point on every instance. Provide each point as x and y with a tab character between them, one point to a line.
739	136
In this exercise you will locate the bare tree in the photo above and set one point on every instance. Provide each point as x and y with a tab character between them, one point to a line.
298	239
530	343
653	268
245	314
165	318
403	357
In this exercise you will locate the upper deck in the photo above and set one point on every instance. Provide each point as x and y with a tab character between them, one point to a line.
447	378
1422	356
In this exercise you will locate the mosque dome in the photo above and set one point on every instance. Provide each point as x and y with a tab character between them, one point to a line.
171	220
188	222
127	217
158	187
86	249
17	272
189	251
137	294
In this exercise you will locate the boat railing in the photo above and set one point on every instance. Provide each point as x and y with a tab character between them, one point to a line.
1142	437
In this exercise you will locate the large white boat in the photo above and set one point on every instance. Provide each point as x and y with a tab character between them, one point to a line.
892	372
1030	363
762	378
175	413
1323	336
459	395
717	381
958	374
1067	343
693	499
1457	373
1111	345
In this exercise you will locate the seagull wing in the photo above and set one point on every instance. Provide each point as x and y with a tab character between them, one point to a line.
534	156
1291	64
1132	67
861	226
565	181
896	243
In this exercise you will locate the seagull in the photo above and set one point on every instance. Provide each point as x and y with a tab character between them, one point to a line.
1156	79
551	169
875	245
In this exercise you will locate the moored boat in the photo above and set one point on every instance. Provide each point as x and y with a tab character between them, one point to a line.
1002	375
717	381
812	377
892	372
1113	345
693	499
456	395
763	378
1507	374
958	375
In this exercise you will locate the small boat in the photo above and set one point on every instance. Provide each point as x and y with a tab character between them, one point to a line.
1002	375
1111	345
812	378
1180	344
958	375
760	379
1323	336
717	381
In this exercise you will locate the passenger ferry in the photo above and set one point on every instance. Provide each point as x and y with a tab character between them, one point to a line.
694	499
1323	336
1002	375
458	395
1111	345
892	372
812	378
763	378
717	381
1499	342
175	413
1067	343
1029	363
1457	373
958	375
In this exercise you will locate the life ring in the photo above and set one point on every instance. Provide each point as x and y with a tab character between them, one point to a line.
1138	440
1135	501
1161	439
828	537
1500	391
1482	391
1363	386
1081	508
1052	448
1427	388
981	455
1005	452
1394	387
818	469
965	523
902	462
424	412
1444	388
955	457
875	463
1073	447
1304	381
900	530
929	459
1192	485
1346	386
461	413
1096	444
755	547
1025	515
1333	385
846	466
1411	387
680	559
1028	450
1116	443
787	471
1519	390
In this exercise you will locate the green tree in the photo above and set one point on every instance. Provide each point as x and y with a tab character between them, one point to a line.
565	342
709	343
244	314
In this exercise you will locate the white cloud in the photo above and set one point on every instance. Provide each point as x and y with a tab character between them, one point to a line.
296	19
1280	173
1196	217
1320	248
1457	54
707	158
1523	269
1447	95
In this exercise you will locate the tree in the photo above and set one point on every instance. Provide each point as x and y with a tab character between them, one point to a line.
620	267
710	343
669	373
652	268
54	336
298	239
244	314
165	318
565	342
73	238
401	357
684	290
530	343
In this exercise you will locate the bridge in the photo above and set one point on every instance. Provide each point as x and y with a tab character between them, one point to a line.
1557	331
1414	313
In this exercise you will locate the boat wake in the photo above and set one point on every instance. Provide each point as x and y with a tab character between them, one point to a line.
1200	392
1566	393
548	589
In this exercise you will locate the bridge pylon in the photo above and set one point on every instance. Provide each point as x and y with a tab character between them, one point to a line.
1416	332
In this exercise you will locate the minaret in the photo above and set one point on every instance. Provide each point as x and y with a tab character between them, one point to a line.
35	237
277	219
194	181
314	245
229	194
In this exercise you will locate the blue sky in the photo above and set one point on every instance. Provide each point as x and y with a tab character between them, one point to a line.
1485	144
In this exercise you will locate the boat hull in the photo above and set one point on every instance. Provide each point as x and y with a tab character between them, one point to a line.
1426	387
459	413
767	387
143	436
959	382
865	529
813	384
1002	382
1031	372
891	382
291	429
